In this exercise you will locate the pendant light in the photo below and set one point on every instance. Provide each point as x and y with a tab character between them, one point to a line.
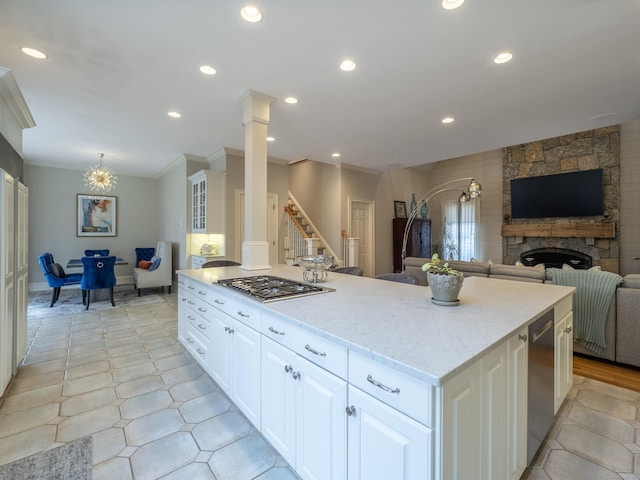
99	178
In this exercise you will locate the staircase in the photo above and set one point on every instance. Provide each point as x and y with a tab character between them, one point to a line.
300	238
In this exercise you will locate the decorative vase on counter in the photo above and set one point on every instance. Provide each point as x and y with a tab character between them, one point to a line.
424	210
413	203
445	288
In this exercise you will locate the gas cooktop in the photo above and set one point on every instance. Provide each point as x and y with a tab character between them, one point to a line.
268	288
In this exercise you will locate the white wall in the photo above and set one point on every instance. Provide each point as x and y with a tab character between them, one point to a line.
629	198
52	219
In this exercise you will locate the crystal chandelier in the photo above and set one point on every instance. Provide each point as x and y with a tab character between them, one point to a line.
100	179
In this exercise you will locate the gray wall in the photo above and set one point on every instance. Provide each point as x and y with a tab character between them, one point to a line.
52	219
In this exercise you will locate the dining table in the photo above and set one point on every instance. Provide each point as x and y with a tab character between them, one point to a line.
77	262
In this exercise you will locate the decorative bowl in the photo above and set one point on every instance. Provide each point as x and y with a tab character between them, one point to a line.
315	262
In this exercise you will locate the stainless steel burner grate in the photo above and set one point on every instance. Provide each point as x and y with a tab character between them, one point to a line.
268	288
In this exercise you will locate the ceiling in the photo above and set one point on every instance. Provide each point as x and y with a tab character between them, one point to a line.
115	68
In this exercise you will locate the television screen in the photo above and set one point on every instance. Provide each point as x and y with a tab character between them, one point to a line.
576	194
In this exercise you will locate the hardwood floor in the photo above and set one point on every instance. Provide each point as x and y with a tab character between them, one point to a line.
604	371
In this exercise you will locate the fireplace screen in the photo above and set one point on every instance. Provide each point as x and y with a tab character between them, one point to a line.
556	257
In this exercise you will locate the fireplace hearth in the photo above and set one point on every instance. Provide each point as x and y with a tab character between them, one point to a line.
556	257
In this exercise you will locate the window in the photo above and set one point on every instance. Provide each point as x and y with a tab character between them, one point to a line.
460	229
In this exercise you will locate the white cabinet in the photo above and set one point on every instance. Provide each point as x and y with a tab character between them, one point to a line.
386	444
303	413
198	260
21	271
484	418
518	377
7	278
208	205
235	362
563	356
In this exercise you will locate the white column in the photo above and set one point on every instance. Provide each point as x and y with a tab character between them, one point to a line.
255	118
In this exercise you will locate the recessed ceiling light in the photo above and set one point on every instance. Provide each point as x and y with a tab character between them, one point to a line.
503	57
174	114
32	52
451	4
448	120
347	65
270	139
251	14
335	155
291	100
208	70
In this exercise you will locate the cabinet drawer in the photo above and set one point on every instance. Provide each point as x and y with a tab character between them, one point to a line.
248	314
198	322
182	283
402	392
563	307
201	291
197	345
309	345
199	306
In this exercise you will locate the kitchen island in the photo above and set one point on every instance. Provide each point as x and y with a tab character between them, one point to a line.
410	389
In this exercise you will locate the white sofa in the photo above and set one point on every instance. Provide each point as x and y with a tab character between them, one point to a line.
161	276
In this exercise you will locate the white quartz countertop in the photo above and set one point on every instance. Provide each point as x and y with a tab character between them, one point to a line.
398	325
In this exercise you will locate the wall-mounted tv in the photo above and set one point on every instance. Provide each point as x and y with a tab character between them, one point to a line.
576	194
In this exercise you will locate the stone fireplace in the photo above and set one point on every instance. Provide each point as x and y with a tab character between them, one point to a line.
595	237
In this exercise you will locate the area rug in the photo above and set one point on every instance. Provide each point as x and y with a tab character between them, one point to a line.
70	301
71	461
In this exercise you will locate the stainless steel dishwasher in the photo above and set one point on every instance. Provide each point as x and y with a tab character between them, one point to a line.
541	382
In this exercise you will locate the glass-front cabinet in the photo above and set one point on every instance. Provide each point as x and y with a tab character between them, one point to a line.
208	190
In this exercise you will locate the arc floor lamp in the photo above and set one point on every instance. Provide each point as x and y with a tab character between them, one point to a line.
473	191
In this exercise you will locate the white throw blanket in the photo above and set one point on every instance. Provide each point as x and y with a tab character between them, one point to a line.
594	291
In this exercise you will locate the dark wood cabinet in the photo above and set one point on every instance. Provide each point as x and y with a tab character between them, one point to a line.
418	241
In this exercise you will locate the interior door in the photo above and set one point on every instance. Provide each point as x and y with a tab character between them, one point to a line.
361	226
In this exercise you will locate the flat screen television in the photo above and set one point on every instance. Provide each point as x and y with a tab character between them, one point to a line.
576	194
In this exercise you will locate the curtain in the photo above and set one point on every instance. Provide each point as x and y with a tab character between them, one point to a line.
460	229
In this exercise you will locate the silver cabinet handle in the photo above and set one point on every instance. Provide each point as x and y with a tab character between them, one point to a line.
191	302
288	368
200	351
380	385
296	375
184	299
273	330
243	314
191	287
219	302
203	310
190	340
314	351
202	292
202	327
351	411
191	318
523	337
229	330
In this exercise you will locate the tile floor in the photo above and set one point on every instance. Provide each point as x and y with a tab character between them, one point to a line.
120	375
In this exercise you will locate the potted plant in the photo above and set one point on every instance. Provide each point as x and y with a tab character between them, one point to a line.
445	282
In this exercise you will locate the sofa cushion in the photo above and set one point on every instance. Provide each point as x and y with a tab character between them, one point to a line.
144	264
155	263
631	281
471	269
514	272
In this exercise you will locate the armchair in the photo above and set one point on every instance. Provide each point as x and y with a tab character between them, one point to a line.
98	273
55	276
161	275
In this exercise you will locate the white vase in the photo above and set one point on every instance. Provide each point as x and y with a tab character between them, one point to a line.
445	288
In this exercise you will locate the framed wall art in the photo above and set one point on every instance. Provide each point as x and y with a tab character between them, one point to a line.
401	209
96	216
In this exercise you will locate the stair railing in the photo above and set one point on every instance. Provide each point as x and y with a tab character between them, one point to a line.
296	234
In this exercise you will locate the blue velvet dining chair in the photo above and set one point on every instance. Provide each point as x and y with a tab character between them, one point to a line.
93	253
56	277
98	273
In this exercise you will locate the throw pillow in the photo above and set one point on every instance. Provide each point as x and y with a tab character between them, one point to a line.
155	263
539	266
595	268
145	264
57	270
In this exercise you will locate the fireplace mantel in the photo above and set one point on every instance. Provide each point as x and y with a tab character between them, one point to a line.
562	230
